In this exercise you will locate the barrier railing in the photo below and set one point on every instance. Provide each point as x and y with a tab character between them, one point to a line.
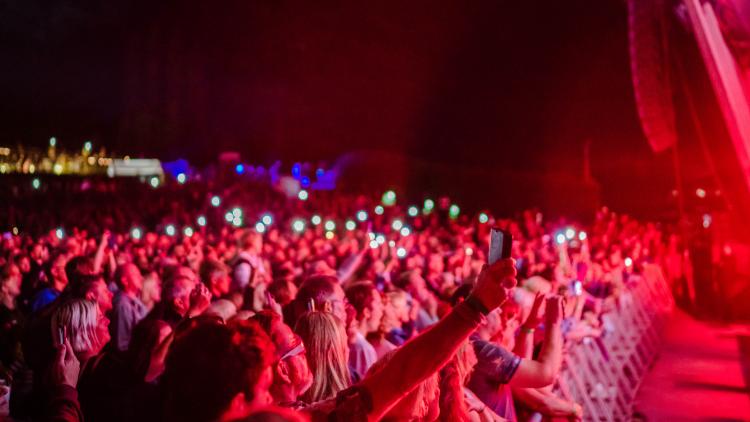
603	374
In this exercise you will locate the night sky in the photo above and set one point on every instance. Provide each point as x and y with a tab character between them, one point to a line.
485	83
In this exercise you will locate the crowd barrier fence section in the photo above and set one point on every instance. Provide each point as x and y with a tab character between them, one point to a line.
604	373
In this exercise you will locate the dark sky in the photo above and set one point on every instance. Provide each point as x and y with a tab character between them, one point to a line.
519	84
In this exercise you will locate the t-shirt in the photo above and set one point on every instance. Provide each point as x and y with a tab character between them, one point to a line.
361	354
494	369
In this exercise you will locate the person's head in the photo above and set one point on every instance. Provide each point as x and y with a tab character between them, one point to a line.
129	278
10	282
57	271
147	335
176	293
215	275
77	267
421	403
23	262
327	349
250	241
215	371
91	287
399	303
366	300
151	292
292	375
85	325
325	293
283	291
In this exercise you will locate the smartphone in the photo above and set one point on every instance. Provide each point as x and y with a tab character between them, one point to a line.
60	336
578	288
500	245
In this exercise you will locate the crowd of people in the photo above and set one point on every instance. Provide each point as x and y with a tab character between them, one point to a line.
206	302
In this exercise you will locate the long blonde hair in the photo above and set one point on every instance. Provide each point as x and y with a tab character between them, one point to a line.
80	319
327	354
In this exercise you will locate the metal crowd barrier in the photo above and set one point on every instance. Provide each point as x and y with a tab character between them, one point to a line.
603	374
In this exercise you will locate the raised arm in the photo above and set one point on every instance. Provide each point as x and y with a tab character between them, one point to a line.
542	372
427	353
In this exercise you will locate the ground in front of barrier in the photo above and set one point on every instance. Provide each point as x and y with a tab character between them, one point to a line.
702	373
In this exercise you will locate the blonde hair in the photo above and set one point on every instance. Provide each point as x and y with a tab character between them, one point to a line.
80	319
327	354
415	404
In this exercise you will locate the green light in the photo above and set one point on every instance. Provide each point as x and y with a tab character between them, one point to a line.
170	230
454	211
237	212
413	211
181	178
330	225
315	220
350	225
36	183
136	233
303	195
154	182
215	201
379	210
429	205
202	221
397	225
87	146
389	198
483	218
52	141
188	231
362	215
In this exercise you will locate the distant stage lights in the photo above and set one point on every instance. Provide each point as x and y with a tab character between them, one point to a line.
389	198
236	212
201	221
303	195
260	227
215	201
267	219
136	233
350	225
228	216
154	182
374	244
379	210
401	252
405	231
170	230
181	178
52	141
362	215
413	211
429	205
330	225
483	218
298	226
188	231
560	238
60	233
239	168
582	236
454	211
570	233
380	239
315	220
237	221
36	184
397	225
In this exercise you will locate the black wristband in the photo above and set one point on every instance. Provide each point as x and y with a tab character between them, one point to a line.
477	305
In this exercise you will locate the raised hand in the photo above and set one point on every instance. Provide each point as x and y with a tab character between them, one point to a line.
494	283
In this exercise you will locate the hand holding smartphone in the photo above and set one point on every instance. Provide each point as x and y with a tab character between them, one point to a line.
500	245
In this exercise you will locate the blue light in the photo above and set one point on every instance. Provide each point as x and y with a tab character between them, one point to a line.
305	182
320	173
296	170
239	168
